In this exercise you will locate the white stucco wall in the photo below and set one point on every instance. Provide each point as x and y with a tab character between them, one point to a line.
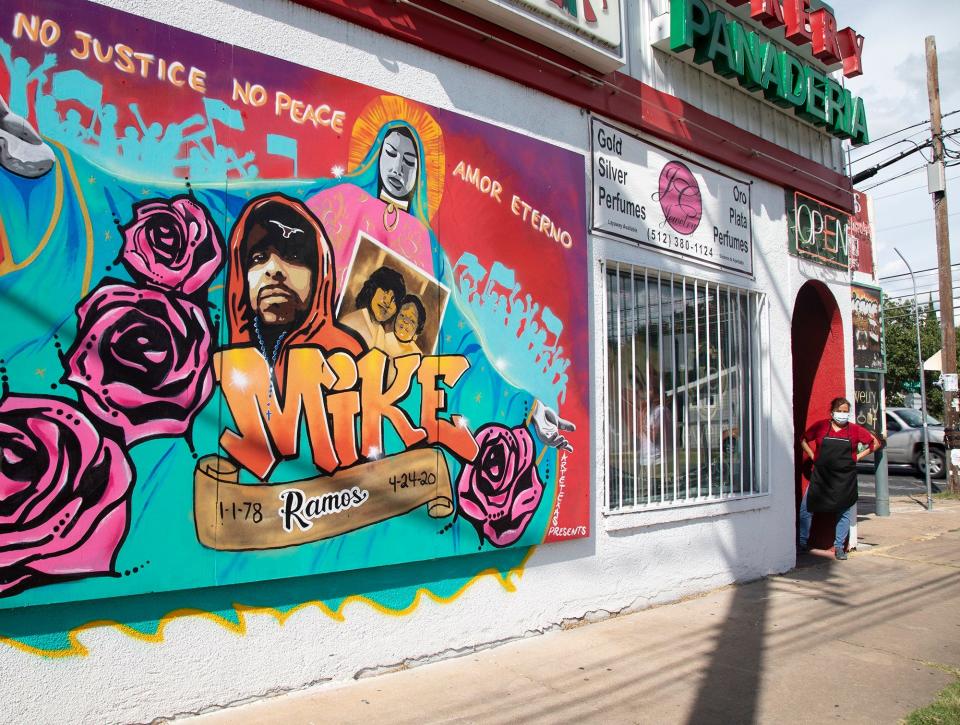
625	564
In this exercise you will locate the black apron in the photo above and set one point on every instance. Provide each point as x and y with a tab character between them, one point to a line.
833	484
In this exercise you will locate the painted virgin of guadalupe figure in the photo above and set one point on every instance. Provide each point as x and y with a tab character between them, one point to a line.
393	185
391	191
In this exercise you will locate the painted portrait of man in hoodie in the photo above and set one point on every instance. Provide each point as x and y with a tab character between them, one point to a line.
281	290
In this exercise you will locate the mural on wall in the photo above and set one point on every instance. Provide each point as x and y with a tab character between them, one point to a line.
867	315
254	333
860	236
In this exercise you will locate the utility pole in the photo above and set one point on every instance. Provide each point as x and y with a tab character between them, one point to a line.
936	180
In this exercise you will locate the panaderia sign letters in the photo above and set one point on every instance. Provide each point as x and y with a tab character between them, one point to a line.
759	64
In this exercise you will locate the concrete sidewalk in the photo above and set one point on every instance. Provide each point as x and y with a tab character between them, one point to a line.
865	641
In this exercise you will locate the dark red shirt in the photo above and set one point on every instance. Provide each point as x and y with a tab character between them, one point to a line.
856	434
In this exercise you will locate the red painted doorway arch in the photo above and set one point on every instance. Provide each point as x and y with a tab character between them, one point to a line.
819	375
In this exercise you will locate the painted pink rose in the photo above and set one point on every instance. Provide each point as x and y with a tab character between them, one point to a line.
172	243
499	491
64	494
141	360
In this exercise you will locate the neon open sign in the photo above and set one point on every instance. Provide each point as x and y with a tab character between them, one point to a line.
817	231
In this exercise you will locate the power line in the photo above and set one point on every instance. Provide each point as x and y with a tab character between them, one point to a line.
902	278
935	301
925	122
928	287
907	274
902	301
894	178
907	292
877	168
918	148
923	279
888	146
908	313
922	305
903	285
910	224
905	173
922	298
907	306
900	130
912	188
900	315
908	318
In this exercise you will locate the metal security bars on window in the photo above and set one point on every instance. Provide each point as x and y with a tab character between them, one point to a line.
683	390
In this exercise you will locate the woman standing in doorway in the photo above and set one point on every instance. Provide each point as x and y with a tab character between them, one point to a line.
835	445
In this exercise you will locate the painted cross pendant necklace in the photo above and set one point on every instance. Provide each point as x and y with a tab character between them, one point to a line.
271	361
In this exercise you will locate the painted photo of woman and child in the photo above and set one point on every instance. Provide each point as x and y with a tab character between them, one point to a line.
391	304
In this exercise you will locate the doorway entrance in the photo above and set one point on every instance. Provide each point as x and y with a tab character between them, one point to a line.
817	341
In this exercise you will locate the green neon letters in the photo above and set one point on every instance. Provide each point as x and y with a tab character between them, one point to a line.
759	65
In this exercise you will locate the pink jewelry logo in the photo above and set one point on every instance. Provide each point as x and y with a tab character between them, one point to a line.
679	198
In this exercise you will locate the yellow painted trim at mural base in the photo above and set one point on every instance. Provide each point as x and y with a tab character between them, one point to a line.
77	649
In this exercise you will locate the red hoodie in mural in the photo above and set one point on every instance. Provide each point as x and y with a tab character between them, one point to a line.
284	338
278	224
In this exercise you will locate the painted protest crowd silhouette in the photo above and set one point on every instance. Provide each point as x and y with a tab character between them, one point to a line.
191	148
186	148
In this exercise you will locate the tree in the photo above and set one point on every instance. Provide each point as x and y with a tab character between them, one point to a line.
901	343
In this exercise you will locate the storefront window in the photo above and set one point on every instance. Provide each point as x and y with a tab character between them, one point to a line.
683	390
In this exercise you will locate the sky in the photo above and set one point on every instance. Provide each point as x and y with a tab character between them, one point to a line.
894	89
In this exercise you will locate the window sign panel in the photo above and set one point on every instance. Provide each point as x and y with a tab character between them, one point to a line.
860	235
589	31
868	351
866	394
645	194
597	21
265	322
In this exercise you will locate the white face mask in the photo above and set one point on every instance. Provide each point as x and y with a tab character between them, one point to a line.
841	418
